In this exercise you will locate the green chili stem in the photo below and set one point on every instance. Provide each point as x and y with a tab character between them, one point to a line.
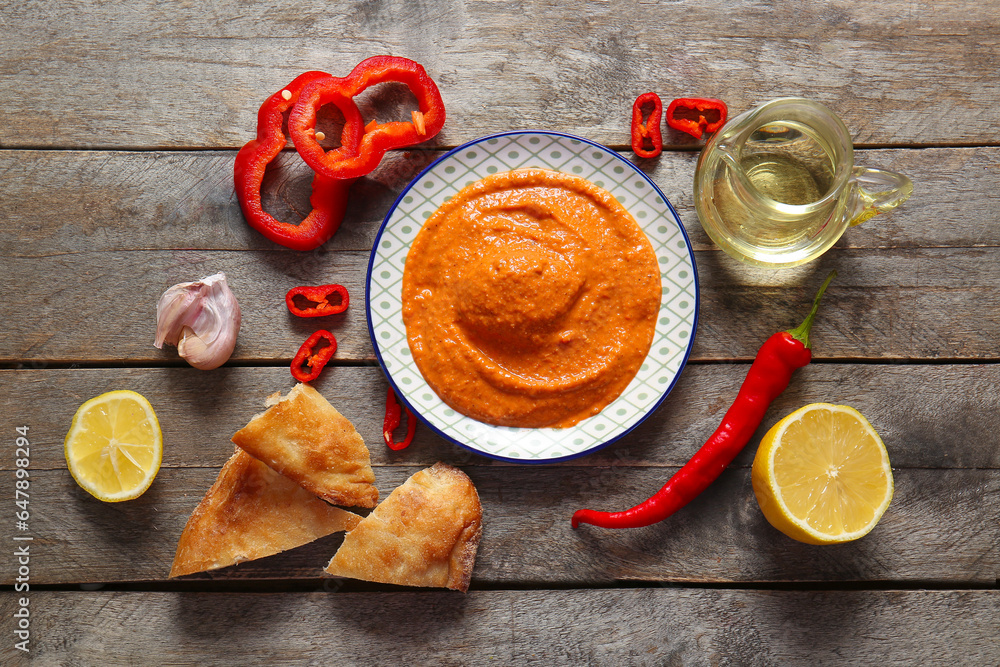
801	332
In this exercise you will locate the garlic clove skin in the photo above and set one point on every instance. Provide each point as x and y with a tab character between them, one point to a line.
197	353
202	319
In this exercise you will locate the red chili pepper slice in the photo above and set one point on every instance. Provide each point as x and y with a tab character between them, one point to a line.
313	355
697	115
329	196
350	161
770	373
393	413
317	301
648	132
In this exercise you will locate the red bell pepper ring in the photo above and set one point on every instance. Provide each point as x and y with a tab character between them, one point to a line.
317	301
313	355
350	161
647	133
393	414
697	115
329	197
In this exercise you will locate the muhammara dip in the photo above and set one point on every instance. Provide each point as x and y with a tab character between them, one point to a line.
530	299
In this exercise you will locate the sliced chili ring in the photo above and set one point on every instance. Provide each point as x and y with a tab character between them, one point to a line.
313	355
648	132
697	115
393	415
317	300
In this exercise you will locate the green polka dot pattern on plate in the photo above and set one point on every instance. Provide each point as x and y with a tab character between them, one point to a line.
675	325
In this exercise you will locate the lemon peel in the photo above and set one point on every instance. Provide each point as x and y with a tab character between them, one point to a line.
114	446
822	475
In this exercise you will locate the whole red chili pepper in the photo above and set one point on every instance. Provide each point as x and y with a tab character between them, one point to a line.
648	132
317	301
393	414
697	115
329	196
777	359
350	160
313	355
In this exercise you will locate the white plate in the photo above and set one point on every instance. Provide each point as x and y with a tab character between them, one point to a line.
548	150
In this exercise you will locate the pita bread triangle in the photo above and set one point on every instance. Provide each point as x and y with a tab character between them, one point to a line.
251	512
305	439
425	533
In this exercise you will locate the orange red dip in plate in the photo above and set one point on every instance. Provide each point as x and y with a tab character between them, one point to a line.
530	299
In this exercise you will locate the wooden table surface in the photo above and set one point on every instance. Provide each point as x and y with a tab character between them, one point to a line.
120	126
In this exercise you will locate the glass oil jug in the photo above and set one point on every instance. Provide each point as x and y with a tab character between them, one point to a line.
777	186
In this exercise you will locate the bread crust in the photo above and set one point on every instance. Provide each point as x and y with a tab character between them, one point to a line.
306	439
425	533
251	512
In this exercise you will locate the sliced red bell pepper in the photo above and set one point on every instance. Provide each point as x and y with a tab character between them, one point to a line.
697	115
350	161
317	301
647	133
329	196
393	414
313	355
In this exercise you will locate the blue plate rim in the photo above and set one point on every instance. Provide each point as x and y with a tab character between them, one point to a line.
400	396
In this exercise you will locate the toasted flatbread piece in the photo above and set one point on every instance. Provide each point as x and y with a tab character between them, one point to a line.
304	438
251	512
424	534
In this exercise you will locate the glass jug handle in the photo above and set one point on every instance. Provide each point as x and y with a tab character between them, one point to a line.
875	191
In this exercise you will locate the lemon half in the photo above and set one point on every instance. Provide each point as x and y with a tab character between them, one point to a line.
822	475
114	446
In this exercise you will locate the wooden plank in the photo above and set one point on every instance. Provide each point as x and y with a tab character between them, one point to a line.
929	416
650	626
903	304
182	78
940	528
178	200
184	200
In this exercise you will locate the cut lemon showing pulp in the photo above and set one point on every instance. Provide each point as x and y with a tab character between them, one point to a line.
822	475
114	446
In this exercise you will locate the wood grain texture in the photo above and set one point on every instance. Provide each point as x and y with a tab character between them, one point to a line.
140	201
121	123
899	304
651	626
940	528
929	416
83	75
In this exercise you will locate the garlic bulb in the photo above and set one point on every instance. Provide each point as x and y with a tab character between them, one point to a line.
202	319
